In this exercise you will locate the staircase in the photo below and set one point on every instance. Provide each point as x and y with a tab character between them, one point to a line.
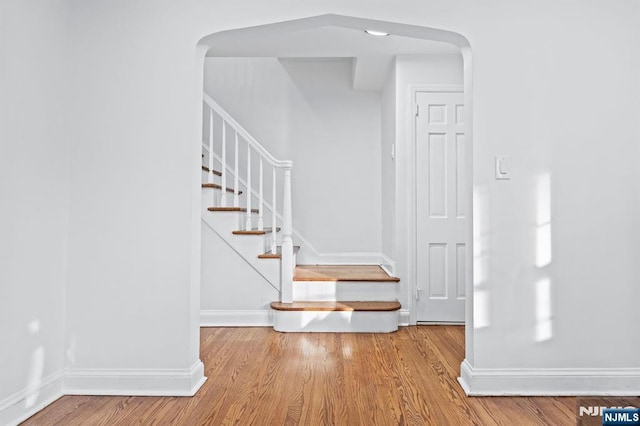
313	298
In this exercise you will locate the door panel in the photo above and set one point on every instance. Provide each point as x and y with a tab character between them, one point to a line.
437	270
437	155
461	177
442	211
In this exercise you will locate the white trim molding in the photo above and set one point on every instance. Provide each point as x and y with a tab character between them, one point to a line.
388	265
411	175
146	382
236	318
404	318
549	381
24	404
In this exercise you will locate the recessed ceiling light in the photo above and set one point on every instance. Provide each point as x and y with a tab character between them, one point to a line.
376	33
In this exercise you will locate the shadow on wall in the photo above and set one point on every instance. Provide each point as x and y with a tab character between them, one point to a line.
542	283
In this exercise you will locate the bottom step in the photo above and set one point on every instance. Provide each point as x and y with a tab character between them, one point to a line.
336	317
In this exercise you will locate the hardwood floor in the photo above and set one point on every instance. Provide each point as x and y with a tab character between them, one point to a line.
258	376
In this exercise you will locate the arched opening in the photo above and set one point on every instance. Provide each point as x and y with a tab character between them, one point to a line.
303	38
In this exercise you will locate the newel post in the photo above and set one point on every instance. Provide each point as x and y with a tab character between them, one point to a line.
287	265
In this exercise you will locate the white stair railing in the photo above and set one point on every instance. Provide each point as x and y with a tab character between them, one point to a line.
253	147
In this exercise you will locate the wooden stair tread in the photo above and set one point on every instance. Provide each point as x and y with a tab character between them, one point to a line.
342	273
278	254
336	306
231	209
216	186
255	231
215	172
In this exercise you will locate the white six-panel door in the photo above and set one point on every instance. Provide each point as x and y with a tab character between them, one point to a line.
442	211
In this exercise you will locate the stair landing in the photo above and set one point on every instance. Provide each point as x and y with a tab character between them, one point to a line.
340	299
337	306
372	273
330	283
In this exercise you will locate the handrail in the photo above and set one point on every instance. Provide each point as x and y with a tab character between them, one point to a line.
245	134
286	260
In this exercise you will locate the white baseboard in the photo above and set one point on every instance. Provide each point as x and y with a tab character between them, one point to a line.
236	318
147	382
404	318
24	404
549	382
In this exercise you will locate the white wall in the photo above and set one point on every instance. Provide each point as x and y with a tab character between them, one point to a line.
305	110
397	116
255	91
34	206
559	113
134	235
230	286
387	162
557	96
426	70
530	101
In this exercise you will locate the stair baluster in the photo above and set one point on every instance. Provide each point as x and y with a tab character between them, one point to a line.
210	175
236	191
274	238
223	197
248	224
260	197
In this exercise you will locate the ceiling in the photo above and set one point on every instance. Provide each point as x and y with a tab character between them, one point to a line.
373	55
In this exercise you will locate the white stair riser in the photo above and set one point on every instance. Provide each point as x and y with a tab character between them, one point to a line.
210	198
363	291
336	321
248	245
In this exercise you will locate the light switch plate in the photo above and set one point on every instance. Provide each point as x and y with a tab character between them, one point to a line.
503	168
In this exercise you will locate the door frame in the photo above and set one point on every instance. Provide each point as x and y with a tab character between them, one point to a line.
404	249
412	226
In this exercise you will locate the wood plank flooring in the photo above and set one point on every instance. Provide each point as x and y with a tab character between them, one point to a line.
341	273
260	377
